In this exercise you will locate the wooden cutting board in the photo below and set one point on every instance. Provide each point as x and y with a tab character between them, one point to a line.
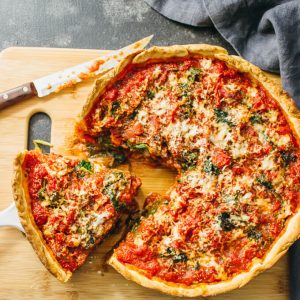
22	276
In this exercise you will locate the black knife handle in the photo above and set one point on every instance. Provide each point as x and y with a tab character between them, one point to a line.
294	271
17	94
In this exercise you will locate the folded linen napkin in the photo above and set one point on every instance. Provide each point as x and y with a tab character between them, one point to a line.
265	32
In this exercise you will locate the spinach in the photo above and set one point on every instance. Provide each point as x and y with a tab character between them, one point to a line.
105	142
93	149
180	258
134	225
83	167
188	159
150	94
262	180
187	109
133	221
253	233
41	193
210	168
183	86
256	119
114	199
139	146
42	190
133	115
287	157
107	148
170	251
152	208
222	116
194	74
196	266
117	205
90	243
113	185
119	158
114	107
225	222
52	200
232	198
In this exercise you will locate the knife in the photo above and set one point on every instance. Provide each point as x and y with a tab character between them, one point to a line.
69	77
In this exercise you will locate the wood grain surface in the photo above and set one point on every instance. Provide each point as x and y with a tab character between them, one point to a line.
22	276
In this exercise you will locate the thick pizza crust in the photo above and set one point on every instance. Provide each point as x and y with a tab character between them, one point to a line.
33	233
279	249
100	84
287	236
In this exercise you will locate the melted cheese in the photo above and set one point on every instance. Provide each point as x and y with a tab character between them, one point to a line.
205	184
283	140
268	163
181	132
272	116
239	114
218	202
222	137
206	64
239	149
100	219
173	80
143	117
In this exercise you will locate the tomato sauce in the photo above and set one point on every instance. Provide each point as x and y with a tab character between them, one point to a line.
64	229
241	199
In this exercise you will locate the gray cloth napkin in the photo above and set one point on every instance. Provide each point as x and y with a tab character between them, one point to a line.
265	32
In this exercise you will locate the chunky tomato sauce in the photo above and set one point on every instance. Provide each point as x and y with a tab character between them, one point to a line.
237	158
73	204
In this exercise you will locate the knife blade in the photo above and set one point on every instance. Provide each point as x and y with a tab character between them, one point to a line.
69	77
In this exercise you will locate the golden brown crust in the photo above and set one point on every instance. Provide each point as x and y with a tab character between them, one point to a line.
279	249
102	82
138	57
177	51
286	103
71	145
33	233
292	230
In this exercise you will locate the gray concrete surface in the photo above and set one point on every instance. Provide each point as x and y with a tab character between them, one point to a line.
93	24
105	24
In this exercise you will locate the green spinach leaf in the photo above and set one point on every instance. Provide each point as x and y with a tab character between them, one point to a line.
210	168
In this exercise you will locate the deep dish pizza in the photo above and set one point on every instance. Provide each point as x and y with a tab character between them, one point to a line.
232	134
67	206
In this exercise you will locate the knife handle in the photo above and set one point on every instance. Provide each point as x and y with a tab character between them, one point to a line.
17	94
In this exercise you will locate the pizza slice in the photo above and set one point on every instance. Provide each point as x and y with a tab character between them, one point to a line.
67	206
233	136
